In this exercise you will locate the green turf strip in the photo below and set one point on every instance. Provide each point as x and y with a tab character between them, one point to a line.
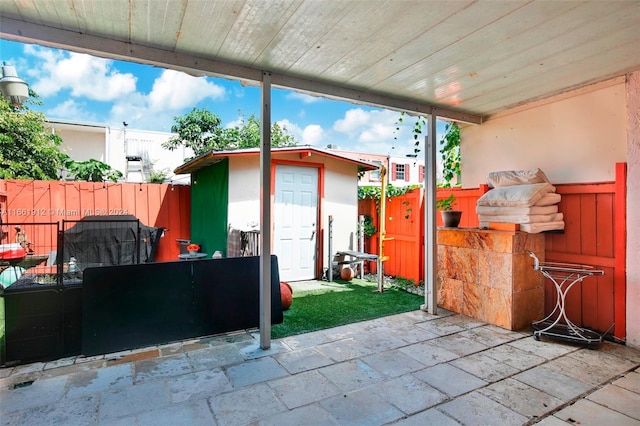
348	303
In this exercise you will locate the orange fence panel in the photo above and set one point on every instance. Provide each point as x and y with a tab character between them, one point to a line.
594	234
159	205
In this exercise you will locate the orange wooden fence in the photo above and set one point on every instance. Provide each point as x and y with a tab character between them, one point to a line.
159	205
405	228
595	234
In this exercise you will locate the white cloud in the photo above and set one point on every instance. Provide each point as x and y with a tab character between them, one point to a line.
84	75
303	97
370	130
71	110
354	120
313	135
176	90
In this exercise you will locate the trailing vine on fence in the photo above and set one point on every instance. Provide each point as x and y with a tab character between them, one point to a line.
374	192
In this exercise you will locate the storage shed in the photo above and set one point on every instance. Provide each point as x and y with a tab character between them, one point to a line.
308	185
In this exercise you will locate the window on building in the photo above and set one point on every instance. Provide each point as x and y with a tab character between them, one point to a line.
400	172
374	175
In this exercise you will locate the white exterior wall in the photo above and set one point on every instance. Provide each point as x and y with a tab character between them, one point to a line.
341	202
340	198
576	138
633	207
84	142
244	192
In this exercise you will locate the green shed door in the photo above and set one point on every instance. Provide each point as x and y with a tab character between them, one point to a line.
209	208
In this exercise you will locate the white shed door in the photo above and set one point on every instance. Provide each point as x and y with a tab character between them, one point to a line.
296	213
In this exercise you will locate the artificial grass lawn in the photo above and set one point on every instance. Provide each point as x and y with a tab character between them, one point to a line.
342	303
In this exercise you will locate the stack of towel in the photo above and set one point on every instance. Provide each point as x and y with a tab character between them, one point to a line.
523	197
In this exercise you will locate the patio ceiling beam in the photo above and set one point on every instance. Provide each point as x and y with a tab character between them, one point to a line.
25	32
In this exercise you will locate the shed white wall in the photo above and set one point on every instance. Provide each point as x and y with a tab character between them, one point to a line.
340	197
575	138
244	192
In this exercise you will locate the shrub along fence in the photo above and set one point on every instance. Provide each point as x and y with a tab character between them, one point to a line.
158	205
595	234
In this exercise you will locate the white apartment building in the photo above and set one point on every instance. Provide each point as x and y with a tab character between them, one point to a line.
135	153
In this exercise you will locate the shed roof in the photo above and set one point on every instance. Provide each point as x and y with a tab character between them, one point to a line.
213	157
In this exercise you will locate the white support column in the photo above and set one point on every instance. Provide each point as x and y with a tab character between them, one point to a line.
430	229
265	209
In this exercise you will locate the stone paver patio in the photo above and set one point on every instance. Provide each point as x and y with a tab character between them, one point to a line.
407	369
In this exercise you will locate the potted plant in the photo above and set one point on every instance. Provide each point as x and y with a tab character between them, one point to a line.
450	217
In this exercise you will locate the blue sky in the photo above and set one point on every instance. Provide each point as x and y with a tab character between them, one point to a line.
84	88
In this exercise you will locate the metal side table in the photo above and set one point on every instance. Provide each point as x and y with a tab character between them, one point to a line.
556	325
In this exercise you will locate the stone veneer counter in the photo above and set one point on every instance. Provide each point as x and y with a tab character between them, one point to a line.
489	275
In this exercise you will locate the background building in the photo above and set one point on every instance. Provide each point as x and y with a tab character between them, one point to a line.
135	153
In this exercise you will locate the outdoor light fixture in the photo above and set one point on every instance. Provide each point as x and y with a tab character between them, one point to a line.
13	88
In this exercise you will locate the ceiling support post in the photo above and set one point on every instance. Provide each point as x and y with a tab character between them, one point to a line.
430	229
265	213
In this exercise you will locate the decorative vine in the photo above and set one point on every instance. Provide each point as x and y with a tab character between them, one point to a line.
450	154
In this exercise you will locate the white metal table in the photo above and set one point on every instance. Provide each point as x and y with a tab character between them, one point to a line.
557	325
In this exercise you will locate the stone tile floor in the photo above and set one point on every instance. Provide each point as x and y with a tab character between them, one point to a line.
407	369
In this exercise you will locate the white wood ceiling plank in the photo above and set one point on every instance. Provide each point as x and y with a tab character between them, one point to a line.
538	61
536	45
207	25
422	54
157	22
257	24
351	30
93	13
302	33
477	49
601	64
378	56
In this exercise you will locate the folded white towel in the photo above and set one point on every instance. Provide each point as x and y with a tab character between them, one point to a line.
503	211
534	228
516	195
521	219
549	199
516	177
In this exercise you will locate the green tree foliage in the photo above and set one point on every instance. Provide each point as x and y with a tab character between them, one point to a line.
247	134
201	131
92	171
27	149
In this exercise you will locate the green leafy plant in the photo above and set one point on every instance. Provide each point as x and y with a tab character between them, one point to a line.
419	124
446	203
158	176
369	229
450	154
92	171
